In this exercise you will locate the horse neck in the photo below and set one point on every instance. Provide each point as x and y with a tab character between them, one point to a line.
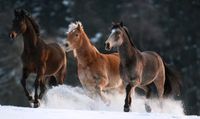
127	51
86	53
30	38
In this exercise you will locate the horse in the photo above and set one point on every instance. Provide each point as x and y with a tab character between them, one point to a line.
97	72
140	69
45	60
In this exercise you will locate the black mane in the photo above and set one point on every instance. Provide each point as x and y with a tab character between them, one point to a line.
129	37
34	24
25	14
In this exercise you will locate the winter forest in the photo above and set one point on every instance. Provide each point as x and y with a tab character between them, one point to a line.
169	27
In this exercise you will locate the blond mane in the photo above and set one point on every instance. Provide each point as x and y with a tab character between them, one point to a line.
73	26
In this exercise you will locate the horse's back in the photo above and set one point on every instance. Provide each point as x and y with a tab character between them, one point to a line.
56	47
56	51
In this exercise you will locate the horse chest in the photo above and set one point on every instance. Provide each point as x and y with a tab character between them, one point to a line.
128	71
30	60
87	76
30	65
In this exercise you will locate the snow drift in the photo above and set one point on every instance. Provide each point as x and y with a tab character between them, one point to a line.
65	102
67	97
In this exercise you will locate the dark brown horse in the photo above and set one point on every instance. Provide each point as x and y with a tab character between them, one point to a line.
37	57
97	72
140	69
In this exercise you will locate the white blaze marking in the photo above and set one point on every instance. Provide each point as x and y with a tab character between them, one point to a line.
113	31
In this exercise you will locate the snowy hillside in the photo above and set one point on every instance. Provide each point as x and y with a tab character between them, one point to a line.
66	102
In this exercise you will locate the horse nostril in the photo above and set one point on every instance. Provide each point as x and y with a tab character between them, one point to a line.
107	46
12	35
67	44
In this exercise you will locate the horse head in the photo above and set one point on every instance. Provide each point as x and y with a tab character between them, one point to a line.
119	33
115	39
19	25
74	36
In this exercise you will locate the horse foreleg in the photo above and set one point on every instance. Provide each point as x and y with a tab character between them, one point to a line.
39	80
23	82
128	98
100	85
102	96
36	84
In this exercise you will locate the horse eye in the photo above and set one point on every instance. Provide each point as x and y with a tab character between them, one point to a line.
117	37
76	34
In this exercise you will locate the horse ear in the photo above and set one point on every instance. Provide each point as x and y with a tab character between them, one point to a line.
121	24
23	12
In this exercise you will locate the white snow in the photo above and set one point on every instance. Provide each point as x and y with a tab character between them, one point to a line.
65	102
96	37
66	2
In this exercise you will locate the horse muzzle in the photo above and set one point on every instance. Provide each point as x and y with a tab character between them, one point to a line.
68	48
107	46
13	35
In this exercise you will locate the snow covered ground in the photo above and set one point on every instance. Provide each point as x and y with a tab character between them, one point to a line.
65	102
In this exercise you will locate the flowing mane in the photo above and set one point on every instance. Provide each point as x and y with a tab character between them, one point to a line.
74	25
129	37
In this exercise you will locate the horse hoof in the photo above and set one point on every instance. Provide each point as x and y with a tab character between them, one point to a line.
126	109
147	108
36	105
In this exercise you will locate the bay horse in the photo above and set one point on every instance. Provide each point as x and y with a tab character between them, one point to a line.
46	60
97	72
140	69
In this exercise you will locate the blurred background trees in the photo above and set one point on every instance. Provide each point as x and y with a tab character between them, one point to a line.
169	27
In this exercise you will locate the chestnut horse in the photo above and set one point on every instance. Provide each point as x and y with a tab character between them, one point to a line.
140	69
97	72
37	57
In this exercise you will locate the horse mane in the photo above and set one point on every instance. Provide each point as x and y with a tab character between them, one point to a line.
74	25
34	24
129	37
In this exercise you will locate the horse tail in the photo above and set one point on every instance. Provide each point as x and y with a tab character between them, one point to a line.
172	81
